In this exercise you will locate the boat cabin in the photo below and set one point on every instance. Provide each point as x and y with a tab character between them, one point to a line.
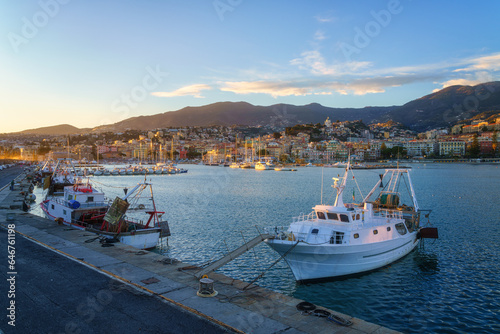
83	195
336	214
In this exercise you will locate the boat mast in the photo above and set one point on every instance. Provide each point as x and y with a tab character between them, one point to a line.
413	197
339	202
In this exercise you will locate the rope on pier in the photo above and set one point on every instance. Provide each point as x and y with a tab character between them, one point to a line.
272	265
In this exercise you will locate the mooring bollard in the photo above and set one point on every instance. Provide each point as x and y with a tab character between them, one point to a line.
206	288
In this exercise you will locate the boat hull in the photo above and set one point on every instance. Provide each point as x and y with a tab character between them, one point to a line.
141	239
309	262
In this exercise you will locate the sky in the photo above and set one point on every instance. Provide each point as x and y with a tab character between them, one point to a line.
90	63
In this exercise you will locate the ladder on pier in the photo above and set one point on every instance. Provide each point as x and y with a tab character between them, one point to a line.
234	254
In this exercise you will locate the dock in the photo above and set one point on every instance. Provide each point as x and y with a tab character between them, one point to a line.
237	308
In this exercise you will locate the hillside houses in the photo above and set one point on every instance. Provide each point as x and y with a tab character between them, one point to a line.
320	143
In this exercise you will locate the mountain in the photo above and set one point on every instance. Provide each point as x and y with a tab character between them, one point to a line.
62	129
448	106
243	113
443	108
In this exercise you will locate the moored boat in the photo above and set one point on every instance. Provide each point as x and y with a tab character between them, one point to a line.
86	208
344	239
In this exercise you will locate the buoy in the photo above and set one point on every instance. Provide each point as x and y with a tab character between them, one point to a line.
206	288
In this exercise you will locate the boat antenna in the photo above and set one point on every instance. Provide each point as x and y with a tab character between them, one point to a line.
322	170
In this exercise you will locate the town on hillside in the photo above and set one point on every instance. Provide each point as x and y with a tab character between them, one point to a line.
320	143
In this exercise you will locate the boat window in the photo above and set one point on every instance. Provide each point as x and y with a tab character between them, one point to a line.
314	231
357	216
356	235
70	197
409	226
339	237
375	232
332	216
388	228
344	218
400	227
52	206
90	199
321	215
64	212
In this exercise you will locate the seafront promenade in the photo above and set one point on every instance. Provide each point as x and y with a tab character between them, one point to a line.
66	283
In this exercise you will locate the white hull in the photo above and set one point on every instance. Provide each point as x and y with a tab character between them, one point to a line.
142	240
309	262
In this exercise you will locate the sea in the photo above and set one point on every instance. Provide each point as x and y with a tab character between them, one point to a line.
448	285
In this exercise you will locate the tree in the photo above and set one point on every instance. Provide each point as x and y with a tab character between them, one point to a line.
399	152
277	135
384	151
43	149
474	149
192	154
494	143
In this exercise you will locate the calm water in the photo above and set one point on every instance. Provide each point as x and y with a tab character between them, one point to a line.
449	285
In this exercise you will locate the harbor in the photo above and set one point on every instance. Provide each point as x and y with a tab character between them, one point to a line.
434	288
237	307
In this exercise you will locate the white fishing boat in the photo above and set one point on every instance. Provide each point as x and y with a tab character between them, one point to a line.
345	239
86	208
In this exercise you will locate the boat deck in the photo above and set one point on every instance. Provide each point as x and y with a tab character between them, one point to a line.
253	310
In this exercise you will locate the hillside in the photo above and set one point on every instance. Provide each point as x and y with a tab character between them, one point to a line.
62	129
448	106
243	113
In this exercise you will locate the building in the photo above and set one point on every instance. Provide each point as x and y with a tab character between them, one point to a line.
452	147
421	147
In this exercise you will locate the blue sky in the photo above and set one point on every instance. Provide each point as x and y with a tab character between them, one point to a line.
88	63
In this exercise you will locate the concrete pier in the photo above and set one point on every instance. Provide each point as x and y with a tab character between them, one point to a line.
153	276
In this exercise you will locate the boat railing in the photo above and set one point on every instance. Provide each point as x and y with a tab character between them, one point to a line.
280	232
390	214
303	217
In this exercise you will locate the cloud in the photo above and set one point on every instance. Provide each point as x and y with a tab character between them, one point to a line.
193	90
362	78
318	86
485	63
319	35
470	79
324	18
314	62
273	88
